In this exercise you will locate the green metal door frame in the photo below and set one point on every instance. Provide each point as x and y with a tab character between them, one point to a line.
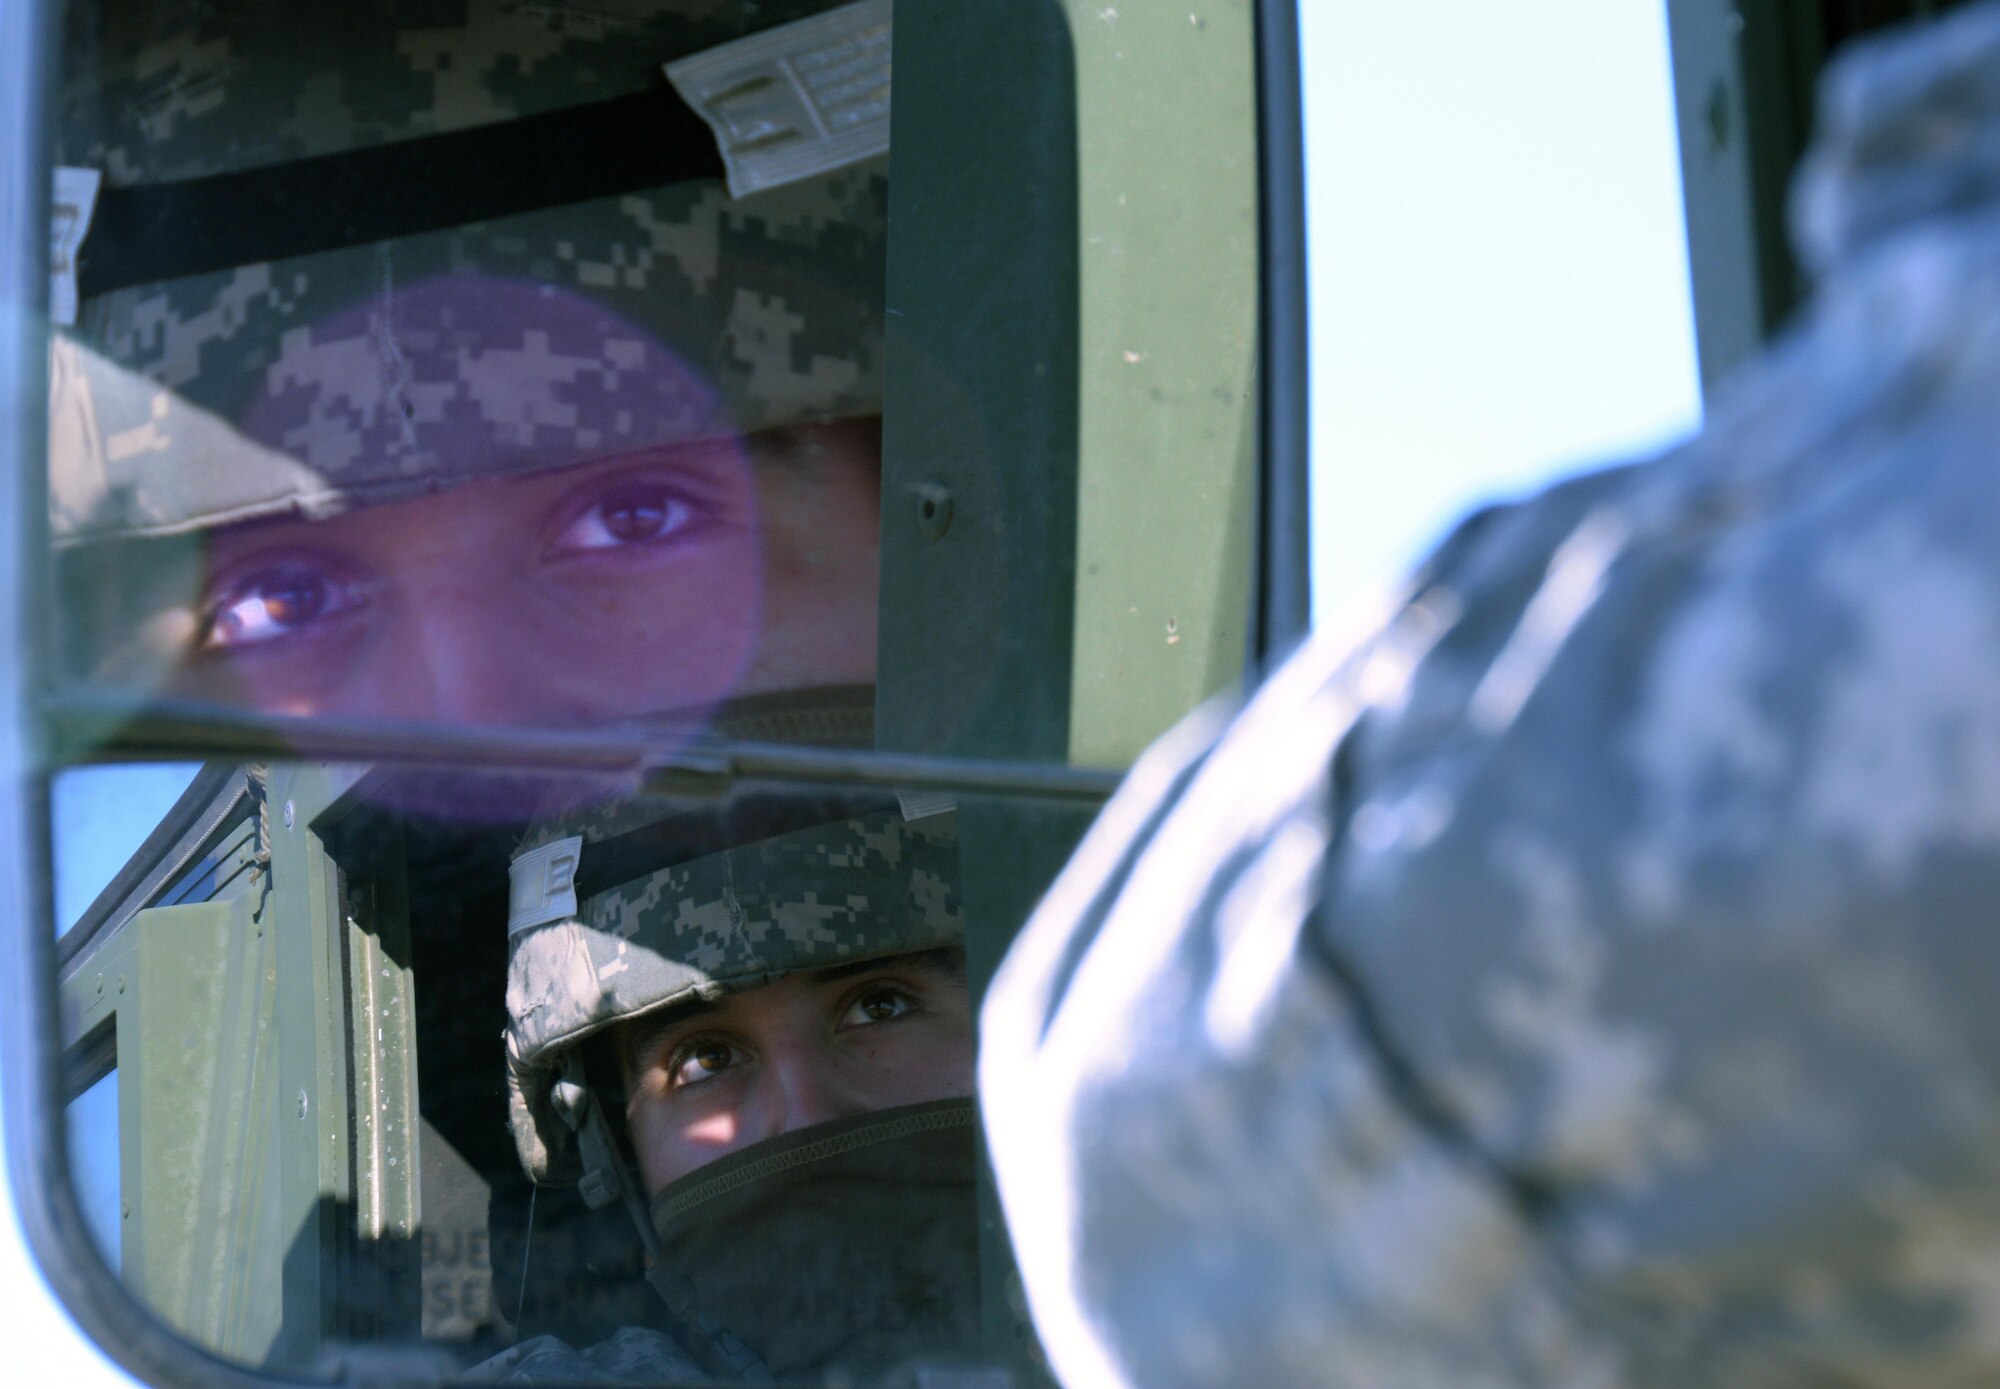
1745	77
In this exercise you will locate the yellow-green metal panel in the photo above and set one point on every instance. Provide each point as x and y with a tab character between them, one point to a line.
205	1234
385	1293
345	1041
1167	242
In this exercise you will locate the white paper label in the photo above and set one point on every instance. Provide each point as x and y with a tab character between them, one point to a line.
541	885
69	220
802	99
922	805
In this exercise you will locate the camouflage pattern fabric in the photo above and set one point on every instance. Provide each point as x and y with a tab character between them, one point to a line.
1582	973
153	91
783	1243
383	370
831	894
842	1253
633	1355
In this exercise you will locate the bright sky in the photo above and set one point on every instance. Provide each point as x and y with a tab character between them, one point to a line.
101	814
1499	264
1499	294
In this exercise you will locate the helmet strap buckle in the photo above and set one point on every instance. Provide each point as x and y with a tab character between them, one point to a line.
607	1178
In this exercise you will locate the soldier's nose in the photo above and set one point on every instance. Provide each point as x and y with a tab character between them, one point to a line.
461	660
807	1090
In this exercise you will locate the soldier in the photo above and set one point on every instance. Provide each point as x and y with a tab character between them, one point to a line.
1583	973
790	1020
440	443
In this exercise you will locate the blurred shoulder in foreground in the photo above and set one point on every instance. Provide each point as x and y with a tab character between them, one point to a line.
1581	972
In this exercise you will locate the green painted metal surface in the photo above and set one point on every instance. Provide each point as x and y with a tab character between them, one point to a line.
1167	424
191	994
1745	77
381	1000
263	1030
346	1039
304	910
1069	436
979	422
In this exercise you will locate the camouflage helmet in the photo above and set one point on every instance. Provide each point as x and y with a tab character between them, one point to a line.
303	383
627	908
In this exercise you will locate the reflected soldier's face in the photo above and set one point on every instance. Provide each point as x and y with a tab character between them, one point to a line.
615	589
705	1080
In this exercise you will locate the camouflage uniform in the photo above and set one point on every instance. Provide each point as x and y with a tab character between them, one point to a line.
634	1355
744	916
1581	972
767	1261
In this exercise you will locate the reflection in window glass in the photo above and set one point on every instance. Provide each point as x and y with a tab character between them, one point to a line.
102	814
1499	270
789	1070
549	438
93	1151
815	1093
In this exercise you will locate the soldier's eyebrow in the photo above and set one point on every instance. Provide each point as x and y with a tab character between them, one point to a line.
948	960
642	1034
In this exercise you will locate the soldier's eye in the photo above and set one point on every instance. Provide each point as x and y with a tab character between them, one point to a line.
635	514
272	601
879	1004
699	1061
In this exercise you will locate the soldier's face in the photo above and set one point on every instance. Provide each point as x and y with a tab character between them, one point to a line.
712	1078
615	589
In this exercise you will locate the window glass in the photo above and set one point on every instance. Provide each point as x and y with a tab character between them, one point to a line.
468	384
493	372
454	1084
92	1118
440	370
1499	261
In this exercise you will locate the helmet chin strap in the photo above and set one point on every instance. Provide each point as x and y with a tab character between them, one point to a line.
607	1178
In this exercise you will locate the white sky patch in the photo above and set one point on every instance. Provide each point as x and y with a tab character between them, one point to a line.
43	1344
1499	260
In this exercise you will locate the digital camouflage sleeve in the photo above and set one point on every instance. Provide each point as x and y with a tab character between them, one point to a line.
1585	973
632	1355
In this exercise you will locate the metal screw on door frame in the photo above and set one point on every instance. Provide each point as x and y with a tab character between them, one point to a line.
1717	117
934	508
